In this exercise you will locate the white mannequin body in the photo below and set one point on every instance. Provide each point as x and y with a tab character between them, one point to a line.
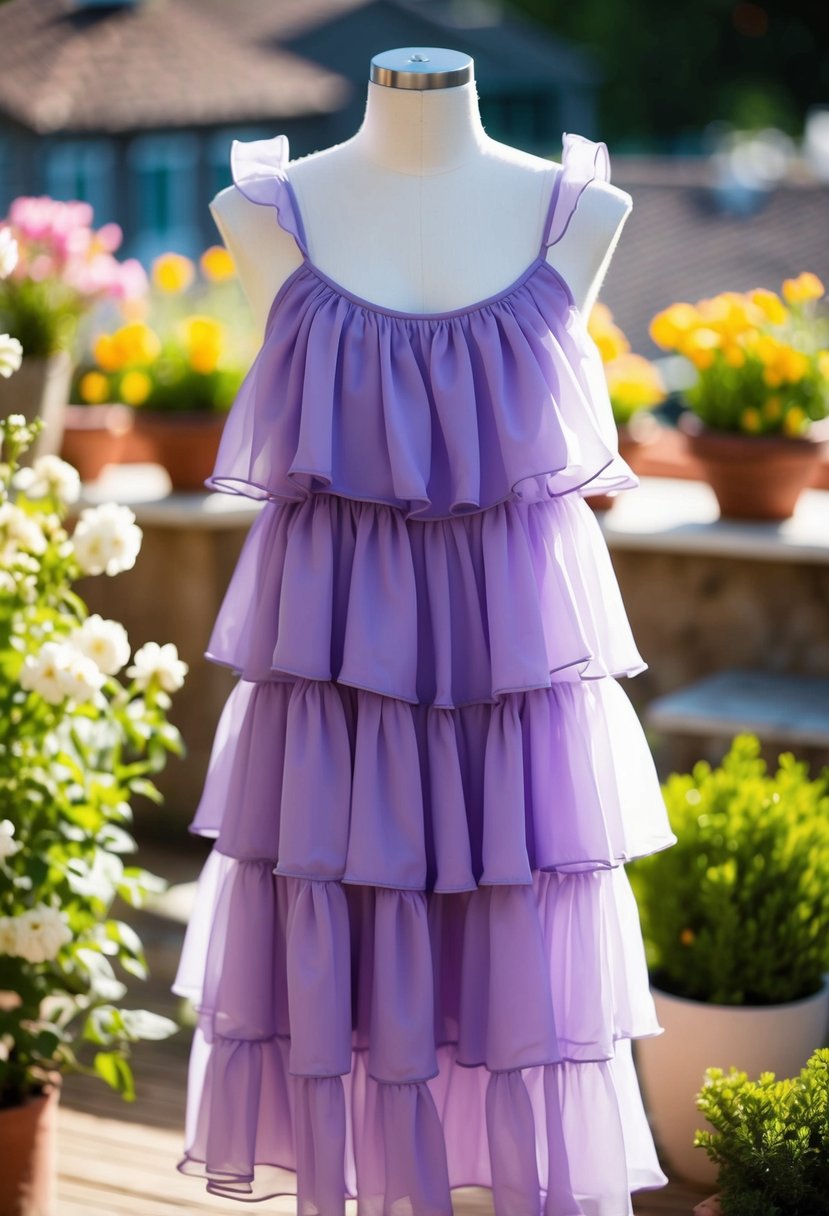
421	211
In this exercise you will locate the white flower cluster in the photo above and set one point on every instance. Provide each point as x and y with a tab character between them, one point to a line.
18	531
160	664
106	539
59	670
104	642
37	935
76	666
8	845
11	352
49	475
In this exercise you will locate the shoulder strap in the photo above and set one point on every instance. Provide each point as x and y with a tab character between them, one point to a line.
582	161
258	170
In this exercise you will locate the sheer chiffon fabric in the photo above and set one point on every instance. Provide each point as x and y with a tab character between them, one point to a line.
415	956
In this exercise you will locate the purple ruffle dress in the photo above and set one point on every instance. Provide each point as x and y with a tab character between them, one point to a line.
415	955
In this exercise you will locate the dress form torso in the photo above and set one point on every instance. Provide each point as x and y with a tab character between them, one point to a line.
418	210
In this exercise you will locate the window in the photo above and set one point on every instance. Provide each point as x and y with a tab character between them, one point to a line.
163	170
82	169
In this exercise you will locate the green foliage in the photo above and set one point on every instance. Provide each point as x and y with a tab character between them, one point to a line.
737	911
71	761
43	316
771	1140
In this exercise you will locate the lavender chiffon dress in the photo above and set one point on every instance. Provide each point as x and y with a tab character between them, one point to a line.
415	955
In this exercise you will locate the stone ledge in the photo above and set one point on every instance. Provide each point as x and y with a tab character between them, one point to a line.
145	488
677	515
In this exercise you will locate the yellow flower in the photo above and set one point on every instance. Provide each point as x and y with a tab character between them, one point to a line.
94	388
794	420
699	346
172	273
750	419
107	355
136	343
770	304
805	287
733	354
772	408
204	340
217	264
634	382
135	387
667	327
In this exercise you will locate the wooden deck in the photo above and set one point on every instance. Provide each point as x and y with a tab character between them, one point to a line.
117	1157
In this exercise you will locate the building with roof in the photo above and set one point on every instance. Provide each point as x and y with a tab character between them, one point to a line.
132	104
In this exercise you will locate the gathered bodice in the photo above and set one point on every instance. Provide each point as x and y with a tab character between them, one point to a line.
437	414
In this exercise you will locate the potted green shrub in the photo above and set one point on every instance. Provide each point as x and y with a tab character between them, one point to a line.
770	1142
81	735
735	919
756	416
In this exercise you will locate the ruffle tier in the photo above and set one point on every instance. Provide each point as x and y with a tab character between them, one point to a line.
396	1044
438	417
448	613
332	782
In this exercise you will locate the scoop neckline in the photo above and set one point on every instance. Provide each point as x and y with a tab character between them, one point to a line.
306	265
402	314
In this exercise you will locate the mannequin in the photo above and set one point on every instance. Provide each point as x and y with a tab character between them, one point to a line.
421	210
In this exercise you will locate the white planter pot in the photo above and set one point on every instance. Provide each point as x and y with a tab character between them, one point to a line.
671	1066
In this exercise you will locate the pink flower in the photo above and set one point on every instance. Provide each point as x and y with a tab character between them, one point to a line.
109	237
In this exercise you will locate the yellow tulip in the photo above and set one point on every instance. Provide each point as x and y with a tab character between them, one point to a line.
770	304
107	355
135	387
137	343
805	287
172	273
733	354
794	420
633	381
750	419
217	264
699	346
94	388
667	326
204	340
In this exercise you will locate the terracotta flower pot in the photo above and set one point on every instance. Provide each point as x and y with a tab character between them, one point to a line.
185	444
755	476
39	389
94	436
634	436
28	1136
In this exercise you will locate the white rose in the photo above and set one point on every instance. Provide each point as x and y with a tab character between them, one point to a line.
105	642
106	539
19	531
49	475
41	931
8	252
160	663
8	845
60	670
11	355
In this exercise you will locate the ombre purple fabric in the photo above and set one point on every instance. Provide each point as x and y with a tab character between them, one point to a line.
415	955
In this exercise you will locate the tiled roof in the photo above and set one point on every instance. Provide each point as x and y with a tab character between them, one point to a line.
676	245
157	63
